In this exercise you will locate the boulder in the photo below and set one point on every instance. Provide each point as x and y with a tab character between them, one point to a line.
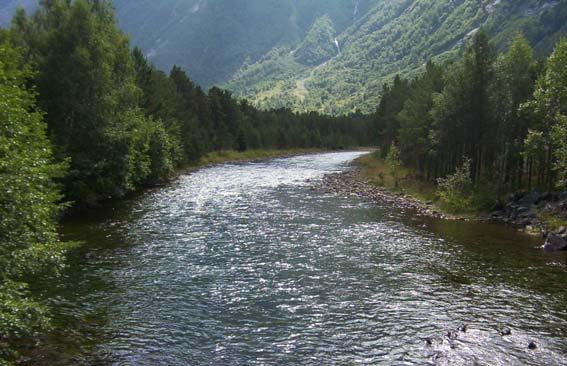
555	243
505	331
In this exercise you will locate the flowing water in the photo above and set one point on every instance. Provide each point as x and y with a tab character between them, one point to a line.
246	264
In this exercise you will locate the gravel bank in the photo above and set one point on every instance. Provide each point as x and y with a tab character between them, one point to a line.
350	183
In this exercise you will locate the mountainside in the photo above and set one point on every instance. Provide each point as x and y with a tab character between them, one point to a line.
393	36
212	39
331	56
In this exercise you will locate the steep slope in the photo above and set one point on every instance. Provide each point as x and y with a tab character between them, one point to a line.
397	36
332	56
319	43
212	39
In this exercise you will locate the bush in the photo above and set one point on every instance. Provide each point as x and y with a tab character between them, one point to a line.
455	191
394	163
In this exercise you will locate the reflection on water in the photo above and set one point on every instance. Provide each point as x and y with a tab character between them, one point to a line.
246	264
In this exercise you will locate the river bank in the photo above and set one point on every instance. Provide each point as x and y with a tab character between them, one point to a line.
535	213
232	156
208	160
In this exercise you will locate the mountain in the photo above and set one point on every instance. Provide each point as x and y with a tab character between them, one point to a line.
332	56
392	37
213	39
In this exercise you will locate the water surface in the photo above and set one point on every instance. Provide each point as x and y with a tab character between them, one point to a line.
247	264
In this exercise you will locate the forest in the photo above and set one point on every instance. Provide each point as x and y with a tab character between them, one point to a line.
491	123
85	119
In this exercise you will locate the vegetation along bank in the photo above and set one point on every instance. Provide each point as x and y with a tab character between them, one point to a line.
85	119
482	137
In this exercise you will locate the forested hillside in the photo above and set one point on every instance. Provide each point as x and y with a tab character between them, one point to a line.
394	37
283	53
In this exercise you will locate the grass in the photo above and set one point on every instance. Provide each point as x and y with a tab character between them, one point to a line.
220	157
374	169
551	221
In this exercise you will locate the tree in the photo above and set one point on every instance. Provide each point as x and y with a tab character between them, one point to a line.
478	72
513	85
394	163
535	146
416	122
559	136
86	81
550	106
455	190
29	244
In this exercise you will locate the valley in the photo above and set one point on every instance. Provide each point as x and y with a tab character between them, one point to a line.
283	182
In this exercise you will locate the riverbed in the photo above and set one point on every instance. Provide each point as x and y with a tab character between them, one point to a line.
249	264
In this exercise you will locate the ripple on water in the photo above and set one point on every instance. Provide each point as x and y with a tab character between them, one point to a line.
244	264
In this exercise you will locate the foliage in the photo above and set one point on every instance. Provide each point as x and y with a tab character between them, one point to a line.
550	104
455	190
398	37
394	163
559	135
319	43
29	244
502	111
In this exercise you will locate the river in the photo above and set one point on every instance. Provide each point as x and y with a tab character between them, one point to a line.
246	264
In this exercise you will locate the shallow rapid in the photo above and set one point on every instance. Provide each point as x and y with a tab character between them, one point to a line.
248	264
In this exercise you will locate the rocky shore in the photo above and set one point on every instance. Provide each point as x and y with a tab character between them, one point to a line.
525	210
350	183
522	210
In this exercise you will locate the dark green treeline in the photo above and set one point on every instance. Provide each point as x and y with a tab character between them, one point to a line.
504	114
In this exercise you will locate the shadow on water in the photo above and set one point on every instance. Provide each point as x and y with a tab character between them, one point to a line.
246	264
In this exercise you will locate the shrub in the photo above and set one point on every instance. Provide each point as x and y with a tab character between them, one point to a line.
394	163
455	190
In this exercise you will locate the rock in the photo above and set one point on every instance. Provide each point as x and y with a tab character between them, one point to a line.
530	198
498	214
562	230
532	345
554	243
505	331
463	328
546	196
451	334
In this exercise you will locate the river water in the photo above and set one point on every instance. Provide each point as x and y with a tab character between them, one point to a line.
246	264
